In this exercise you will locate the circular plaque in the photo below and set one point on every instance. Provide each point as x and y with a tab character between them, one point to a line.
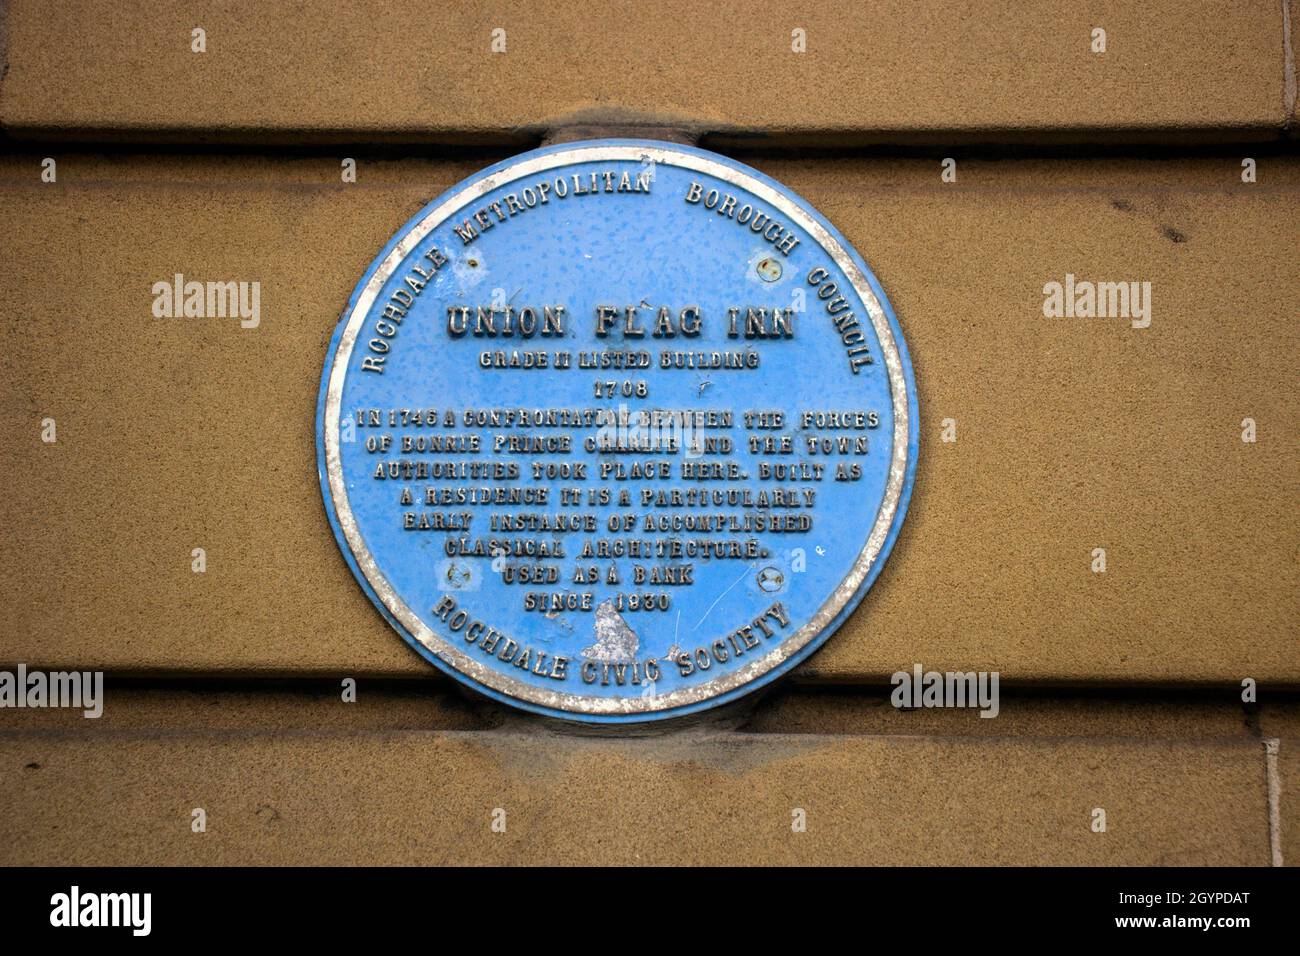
617	430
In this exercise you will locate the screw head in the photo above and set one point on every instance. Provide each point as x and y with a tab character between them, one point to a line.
768	269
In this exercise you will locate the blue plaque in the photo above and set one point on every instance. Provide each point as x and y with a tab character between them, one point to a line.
617	431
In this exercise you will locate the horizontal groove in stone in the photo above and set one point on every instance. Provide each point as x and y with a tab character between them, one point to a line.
190	707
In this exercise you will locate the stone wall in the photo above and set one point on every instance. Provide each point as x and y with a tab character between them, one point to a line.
1122	690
